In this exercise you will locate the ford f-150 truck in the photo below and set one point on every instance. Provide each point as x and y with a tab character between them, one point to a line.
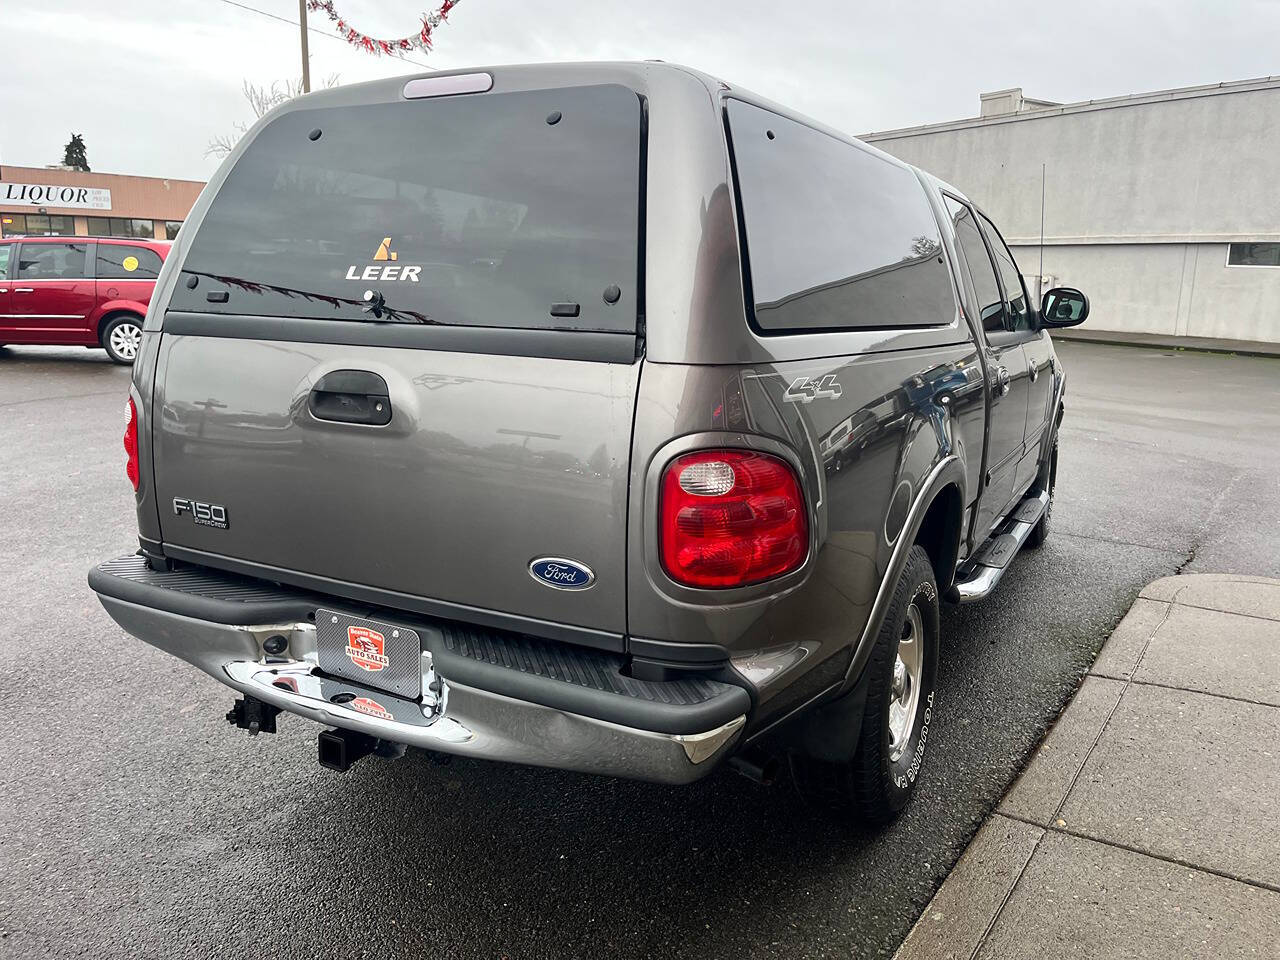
605	417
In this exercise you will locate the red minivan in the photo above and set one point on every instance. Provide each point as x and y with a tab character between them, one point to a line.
87	291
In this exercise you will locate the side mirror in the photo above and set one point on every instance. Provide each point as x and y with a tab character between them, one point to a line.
1063	307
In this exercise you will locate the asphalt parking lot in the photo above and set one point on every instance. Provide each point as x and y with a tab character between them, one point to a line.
135	822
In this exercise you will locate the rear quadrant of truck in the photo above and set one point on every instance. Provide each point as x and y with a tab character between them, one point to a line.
400	360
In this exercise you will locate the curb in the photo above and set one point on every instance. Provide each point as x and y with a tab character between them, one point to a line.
1141	825
1155	341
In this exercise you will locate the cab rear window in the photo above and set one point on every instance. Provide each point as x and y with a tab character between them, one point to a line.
499	210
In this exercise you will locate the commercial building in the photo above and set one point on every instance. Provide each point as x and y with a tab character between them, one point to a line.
45	201
1162	207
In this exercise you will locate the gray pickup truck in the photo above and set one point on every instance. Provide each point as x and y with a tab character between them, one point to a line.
604	417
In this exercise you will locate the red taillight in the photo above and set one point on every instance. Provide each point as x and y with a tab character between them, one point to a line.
729	518
131	444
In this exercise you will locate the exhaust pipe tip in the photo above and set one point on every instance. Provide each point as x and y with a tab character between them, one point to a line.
341	749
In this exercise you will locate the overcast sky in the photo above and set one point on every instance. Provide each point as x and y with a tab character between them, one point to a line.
149	82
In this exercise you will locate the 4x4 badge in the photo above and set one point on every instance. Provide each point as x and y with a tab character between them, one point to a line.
807	389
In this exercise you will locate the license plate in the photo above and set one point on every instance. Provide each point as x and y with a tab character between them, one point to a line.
383	655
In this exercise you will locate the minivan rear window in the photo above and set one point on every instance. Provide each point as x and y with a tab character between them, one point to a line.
499	210
836	236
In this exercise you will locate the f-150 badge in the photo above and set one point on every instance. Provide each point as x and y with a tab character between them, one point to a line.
807	389
205	514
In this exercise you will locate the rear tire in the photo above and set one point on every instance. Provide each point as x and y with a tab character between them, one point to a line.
876	782
121	338
1040	532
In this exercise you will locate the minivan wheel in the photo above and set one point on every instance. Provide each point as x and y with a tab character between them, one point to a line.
121	338
876	782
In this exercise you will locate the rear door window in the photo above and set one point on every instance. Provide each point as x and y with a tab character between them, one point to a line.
123	261
4	259
990	302
499	210
52	261
836	236
1015	296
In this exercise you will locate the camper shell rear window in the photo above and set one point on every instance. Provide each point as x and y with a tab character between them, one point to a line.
516	210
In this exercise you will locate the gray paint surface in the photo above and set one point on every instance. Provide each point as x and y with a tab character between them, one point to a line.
483	458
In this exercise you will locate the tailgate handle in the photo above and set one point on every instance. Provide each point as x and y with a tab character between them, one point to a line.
351	396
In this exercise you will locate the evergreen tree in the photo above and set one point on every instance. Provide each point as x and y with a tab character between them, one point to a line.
73	154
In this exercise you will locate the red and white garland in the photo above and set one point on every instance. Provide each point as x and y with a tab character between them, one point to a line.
418	41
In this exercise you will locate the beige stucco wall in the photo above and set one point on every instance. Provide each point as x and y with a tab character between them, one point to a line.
1176	289
151	198
1141	197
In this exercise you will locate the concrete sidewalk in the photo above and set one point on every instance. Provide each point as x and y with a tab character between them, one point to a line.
1148	822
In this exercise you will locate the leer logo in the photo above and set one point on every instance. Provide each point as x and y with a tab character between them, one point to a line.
364	648
384	254
372	707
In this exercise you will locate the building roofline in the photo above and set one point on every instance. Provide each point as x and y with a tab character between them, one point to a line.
1084	106
6	166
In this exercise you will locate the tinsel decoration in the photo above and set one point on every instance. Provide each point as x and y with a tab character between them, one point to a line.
418	41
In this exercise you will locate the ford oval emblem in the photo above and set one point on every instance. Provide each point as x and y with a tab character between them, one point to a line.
561	573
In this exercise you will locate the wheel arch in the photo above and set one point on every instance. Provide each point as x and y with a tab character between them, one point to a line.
111	312
940	532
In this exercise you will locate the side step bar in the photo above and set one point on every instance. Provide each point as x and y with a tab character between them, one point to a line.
992	560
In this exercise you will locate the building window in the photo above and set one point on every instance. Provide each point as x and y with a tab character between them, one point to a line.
1253	255
36	225
122	227
171	228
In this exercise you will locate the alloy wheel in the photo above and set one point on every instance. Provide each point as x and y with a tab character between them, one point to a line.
905	692
125	339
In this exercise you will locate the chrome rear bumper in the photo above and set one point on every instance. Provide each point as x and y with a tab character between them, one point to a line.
452	718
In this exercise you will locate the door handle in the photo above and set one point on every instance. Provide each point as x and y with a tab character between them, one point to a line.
1035	373
24	290
351	396
1003	381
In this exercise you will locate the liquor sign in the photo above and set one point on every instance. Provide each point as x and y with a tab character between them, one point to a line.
54	195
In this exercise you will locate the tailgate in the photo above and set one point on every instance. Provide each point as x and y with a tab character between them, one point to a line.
488	462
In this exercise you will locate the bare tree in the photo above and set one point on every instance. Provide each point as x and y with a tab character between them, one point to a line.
261	101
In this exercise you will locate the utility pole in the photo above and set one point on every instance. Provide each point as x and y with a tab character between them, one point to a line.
306	59
1040	279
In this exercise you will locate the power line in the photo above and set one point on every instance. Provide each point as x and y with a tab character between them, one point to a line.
317	32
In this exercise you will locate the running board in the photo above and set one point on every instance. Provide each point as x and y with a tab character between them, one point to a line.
992	560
